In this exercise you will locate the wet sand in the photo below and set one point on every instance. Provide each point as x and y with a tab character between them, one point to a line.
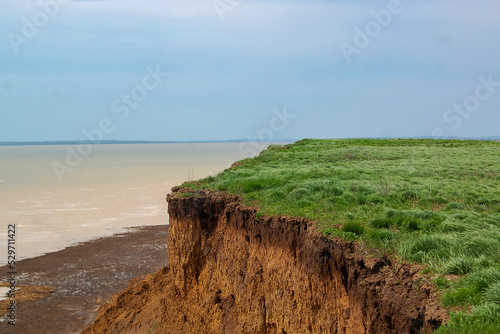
73	283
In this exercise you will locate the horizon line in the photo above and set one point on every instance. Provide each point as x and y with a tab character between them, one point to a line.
287	140
111	142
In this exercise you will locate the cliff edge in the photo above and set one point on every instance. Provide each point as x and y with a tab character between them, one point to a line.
234	271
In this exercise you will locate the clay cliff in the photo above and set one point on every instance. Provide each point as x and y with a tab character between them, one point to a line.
232	271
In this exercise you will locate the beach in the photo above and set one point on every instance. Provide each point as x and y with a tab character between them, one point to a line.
80	240
60	292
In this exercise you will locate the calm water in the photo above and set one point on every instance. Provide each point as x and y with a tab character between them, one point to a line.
117	186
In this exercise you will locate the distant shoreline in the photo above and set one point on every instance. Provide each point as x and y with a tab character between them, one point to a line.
121	142
288	140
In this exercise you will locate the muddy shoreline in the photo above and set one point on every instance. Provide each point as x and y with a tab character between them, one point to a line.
82	278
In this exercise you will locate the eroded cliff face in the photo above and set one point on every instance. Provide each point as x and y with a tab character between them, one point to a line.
231	272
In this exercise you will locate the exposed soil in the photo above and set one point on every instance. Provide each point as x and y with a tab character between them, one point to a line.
234	272
61	292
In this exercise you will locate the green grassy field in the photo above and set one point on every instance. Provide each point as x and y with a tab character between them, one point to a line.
435	202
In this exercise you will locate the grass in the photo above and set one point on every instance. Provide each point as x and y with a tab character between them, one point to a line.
435	202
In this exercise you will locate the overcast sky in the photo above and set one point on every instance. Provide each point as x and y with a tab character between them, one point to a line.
317	69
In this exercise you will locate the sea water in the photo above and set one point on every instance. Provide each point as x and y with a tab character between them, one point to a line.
116	186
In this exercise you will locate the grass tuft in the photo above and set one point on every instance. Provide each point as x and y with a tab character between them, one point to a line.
354	227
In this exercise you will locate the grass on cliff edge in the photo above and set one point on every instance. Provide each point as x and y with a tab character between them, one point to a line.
435	202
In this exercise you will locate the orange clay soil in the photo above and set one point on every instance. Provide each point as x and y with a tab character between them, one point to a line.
231	272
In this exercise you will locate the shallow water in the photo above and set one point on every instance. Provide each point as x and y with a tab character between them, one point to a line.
117	186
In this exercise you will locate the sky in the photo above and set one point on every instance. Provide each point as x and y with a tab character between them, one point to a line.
189	70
